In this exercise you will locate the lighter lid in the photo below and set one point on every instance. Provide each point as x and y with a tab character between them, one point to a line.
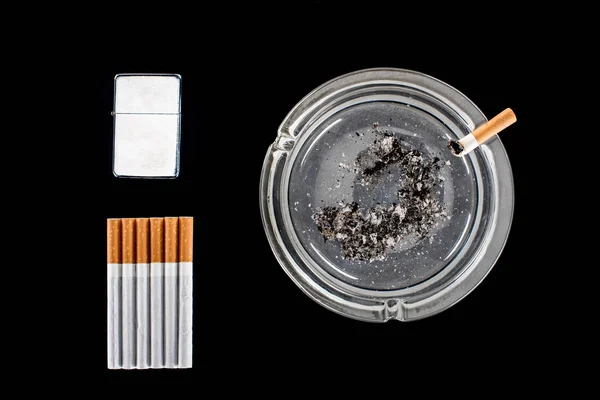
147	94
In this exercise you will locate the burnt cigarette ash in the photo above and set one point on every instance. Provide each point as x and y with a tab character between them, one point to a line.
368	233
455	147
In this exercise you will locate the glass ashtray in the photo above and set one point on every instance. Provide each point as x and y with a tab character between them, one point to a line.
446	233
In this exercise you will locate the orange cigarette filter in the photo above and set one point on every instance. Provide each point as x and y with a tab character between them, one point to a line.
186	239
128	240
171	239
157	243
113	231
144	240
142	248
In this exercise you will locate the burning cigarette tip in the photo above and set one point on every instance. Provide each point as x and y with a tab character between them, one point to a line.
455	147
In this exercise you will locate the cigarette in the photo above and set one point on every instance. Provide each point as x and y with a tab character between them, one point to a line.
483	133
142	300
171	291
113	230
156	292
129	319
186	247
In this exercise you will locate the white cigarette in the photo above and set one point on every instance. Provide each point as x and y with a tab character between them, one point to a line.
171	320
156	292
483	133
114	293
143	293
129	318
171	291
143	319
186	235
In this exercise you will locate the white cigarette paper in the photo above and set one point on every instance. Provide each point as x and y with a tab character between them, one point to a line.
129	320
156	315
469	143
185	314
114	315
143	315
171	317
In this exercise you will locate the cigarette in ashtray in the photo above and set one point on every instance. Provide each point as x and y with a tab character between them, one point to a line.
482	133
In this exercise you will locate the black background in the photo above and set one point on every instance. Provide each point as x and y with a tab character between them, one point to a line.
242	71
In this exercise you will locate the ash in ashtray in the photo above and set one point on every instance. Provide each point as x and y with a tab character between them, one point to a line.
367	233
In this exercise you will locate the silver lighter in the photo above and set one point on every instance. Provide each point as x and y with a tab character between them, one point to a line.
147	125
